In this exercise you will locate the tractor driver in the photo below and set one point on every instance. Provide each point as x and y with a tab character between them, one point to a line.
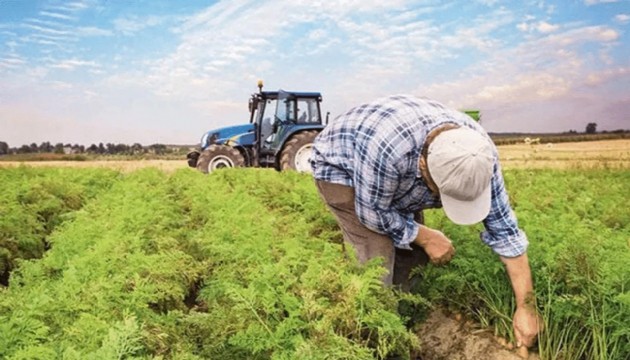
380	164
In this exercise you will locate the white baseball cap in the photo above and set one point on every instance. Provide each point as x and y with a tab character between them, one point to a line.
461	162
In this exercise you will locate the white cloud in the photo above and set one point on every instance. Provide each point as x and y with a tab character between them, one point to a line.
545	27
93	31
72	64
350	50
47	30
60	85
600	34
603	76
539	71
11	62
622	18
56	15
487	2
595	2
542	27
72	6
132	24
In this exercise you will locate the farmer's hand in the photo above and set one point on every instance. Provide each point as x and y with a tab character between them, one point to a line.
526	321
526	326
436	245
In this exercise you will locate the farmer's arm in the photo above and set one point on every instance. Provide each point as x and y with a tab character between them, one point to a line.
525	320
510	243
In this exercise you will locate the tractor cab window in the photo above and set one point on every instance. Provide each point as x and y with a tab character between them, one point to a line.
266	111
307	111
284	111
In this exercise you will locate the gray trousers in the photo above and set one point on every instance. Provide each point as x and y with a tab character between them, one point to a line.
368	244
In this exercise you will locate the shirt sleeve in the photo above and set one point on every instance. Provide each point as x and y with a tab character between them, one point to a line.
376	179
502	232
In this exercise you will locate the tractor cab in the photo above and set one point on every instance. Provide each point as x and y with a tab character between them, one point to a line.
278	115
282	127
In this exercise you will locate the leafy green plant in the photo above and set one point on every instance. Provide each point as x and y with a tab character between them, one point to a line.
194	266
34	201
578	227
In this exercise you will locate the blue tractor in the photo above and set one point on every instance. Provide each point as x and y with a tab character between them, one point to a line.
282	127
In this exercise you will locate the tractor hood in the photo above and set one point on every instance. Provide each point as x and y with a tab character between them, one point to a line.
242	135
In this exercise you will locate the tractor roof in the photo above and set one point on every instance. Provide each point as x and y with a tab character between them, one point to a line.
296	94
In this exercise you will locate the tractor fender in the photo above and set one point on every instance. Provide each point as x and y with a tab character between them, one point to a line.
293	131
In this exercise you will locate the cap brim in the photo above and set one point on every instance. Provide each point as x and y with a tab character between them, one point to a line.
468	212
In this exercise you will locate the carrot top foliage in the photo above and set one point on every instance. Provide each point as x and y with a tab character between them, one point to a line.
246	263
578	225
193	266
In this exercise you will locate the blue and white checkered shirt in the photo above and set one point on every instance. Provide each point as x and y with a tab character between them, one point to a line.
375	148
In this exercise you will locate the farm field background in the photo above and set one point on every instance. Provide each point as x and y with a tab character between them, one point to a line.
247	263
613	154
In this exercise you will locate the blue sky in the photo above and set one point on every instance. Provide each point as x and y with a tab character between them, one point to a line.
157	71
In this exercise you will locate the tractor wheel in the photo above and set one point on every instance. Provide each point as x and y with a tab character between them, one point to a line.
219	156
297	152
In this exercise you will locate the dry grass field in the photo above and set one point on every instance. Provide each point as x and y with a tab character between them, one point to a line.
606	154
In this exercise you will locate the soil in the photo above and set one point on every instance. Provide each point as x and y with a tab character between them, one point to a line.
444	338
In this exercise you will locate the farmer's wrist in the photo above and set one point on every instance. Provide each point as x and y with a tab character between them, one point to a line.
527	303
424	236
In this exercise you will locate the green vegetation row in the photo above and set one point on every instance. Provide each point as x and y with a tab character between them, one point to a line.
34	201
578	225
229	266
246	263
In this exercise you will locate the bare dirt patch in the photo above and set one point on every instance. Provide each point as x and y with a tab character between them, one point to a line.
444	338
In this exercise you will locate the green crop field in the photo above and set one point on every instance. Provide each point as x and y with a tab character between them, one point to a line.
247	264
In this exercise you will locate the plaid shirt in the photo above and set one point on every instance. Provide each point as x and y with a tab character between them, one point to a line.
375	148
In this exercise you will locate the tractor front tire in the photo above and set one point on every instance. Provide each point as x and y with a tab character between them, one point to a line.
218	157
297	152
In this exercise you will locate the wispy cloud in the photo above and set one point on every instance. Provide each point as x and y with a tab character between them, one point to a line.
622	18
537	70
72	6
542	27
47	30
203	61
57	15
595	2
92	31
132	24
72	64
11	62
600	77
545	27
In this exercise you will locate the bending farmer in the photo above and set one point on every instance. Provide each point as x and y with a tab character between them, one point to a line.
380	164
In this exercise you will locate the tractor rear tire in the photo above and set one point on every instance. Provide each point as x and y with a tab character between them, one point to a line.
218	157
297	152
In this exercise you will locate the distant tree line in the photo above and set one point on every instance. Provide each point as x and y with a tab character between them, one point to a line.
100	149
